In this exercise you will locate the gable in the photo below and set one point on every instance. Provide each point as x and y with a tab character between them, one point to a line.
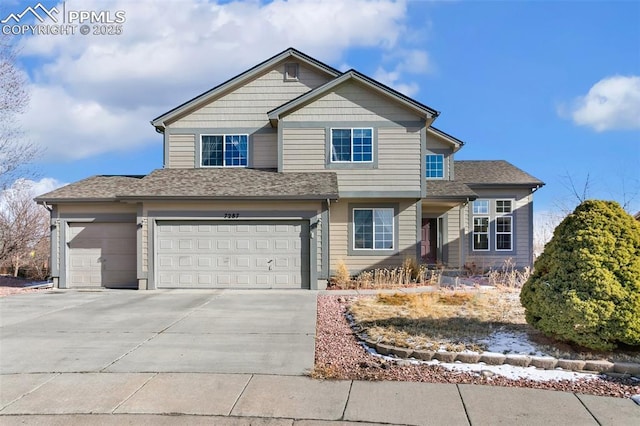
287	56
436	143
246	106
352	101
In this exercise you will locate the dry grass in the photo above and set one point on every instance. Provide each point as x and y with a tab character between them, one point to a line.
453	320
457	320
409	274
508	275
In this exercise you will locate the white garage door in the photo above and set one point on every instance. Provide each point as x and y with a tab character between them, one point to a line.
102	255
273	254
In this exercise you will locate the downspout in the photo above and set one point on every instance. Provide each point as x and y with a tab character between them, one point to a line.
463	237
326	243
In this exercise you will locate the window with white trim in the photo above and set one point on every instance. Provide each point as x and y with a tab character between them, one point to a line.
224	150
503	206
373	229
352	145
504	225
481	207
434	166
481	233
504	233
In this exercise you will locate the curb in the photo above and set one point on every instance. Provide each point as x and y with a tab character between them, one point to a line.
492	358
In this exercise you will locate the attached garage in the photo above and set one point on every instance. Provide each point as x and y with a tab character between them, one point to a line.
232	254
101	255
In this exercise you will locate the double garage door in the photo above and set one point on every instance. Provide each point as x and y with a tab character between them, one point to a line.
225	254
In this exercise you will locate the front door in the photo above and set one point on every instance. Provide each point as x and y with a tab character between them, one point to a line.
429	243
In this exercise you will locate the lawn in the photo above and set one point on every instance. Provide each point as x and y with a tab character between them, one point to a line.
470	320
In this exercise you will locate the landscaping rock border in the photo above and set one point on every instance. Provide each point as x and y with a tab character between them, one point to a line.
493	358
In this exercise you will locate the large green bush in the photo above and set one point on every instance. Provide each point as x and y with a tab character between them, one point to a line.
585	288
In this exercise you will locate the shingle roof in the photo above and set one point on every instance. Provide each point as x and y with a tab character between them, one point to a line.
201	183
449	189
236	183
493	172
93	188
352	74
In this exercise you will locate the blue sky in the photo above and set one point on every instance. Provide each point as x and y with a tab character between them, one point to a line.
552	87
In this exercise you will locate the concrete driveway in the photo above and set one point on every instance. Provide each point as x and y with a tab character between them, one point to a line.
203	331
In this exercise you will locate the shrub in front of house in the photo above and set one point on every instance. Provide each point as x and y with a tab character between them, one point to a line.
585	288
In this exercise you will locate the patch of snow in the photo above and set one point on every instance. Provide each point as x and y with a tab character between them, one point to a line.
505	370
510	342
513	372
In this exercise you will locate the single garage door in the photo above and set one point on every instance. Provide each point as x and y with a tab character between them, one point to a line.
102	255
214	254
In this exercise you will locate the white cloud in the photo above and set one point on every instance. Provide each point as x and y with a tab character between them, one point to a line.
29	187
392	79
72	128
93	94
613	103
406	62
41	186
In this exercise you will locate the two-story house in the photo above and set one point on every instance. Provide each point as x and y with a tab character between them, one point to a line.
273	177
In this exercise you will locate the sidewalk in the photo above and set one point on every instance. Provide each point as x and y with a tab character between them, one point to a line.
249	399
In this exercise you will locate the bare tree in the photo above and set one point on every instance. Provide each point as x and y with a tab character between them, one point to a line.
15	151
24	229
579	194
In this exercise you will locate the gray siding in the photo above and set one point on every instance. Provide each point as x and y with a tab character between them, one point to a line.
303	149
436	145
522	253
455	219
398	159
264	148
352	101
247	106
243	110
182	151
339	236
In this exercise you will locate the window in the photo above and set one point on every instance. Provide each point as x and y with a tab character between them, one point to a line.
481	207
225	150
291	72
504	225
481	233
503	233
435	166
351	145
373	229
503	206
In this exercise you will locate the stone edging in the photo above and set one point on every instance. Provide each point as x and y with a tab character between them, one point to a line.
622	369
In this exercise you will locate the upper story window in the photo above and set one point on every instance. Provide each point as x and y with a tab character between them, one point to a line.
291	71
225	150
373	229
481	207
503	206
435	166
351	145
